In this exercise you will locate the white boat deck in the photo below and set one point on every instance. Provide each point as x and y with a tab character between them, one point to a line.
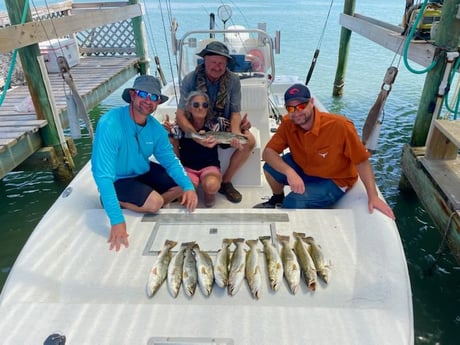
67	281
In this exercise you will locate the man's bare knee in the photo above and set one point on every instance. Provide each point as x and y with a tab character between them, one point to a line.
153	203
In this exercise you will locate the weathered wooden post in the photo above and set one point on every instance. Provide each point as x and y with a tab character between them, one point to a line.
141	45
40	98
345	35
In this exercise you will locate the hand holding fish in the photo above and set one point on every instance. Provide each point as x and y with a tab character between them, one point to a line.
118	236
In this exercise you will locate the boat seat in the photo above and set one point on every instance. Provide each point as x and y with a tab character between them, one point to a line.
249	174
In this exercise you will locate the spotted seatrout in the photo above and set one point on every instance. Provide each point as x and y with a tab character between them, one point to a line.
322	267
253	273
222	263
305	260
204	269
237	267
189	273
221	137
175	268
159	270
274	263
290	264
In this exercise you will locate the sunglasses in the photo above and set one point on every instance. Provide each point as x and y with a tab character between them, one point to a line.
197	105
144	94
298	107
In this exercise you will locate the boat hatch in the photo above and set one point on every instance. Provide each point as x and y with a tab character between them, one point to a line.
208	230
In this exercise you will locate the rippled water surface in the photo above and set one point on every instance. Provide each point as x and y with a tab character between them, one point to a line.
26	196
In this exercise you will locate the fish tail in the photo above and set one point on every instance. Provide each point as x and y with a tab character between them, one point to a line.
264	239
251	243
226	242
309	240
170	243
299	234
282	238
238	240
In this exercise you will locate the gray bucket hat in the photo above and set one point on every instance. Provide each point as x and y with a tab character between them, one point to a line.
216	48
145	83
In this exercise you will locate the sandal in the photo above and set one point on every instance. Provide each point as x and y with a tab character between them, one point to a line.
230	192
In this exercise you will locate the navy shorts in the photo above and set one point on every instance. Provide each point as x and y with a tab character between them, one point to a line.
136	190
319	192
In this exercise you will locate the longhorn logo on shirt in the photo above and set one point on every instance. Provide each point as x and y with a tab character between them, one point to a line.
323	154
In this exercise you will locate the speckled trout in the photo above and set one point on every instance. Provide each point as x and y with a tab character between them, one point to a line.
222	263
237	267
159	270
305	260
274	263
253	273
322	267
221	137
189	273
204	269
290	264
175	268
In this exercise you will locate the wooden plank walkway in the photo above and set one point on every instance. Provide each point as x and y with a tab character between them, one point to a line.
95	79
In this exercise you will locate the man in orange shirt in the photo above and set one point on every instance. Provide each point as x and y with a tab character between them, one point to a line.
325	157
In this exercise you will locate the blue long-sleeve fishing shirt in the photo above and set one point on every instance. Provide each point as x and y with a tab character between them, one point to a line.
122	149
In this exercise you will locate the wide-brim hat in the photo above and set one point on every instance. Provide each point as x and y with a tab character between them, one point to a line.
145	83
216	48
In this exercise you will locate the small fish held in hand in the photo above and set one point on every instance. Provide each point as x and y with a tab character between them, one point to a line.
221	137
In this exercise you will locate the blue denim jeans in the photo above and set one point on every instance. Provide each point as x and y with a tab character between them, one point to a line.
319	192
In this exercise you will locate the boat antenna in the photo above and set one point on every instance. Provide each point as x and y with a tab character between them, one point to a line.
315	55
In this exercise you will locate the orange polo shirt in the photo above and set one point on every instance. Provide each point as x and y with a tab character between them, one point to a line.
331	149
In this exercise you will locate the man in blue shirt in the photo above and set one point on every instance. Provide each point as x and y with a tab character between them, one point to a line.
126	138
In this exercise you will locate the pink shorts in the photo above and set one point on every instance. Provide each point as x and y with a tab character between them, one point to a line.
196	175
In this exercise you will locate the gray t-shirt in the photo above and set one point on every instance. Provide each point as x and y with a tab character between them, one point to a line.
233	103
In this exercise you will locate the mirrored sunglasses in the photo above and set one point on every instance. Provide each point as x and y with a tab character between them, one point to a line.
144	94
197	105
298	107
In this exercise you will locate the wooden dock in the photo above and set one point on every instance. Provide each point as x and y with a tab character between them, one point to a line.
95	79
430	163
109	49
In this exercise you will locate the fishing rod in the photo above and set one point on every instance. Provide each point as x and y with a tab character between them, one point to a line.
316	54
